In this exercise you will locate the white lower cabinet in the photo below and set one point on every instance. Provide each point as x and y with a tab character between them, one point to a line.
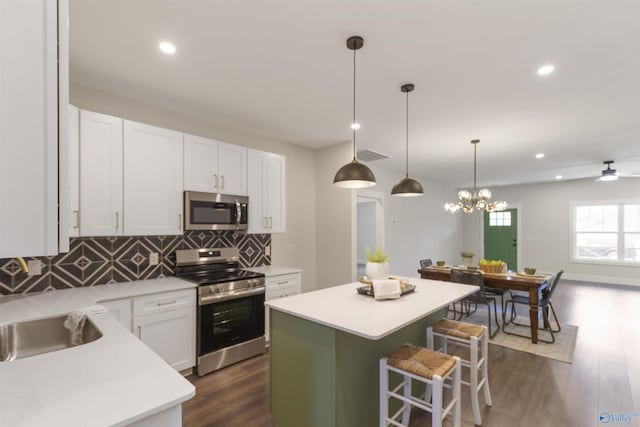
164	333
280	286
165	322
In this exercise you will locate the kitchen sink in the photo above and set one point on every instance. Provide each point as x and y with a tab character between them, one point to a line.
33	337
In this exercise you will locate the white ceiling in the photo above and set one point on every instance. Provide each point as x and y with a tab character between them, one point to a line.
281	69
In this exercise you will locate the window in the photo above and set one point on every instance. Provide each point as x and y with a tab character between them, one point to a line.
607	232
500	219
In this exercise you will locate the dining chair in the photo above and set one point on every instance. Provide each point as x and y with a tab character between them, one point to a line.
544	304
424	263
501	293
481	297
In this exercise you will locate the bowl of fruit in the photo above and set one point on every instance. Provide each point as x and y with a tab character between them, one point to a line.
490	266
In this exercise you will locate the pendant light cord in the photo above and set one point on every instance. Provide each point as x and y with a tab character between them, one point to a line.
353	124
407	137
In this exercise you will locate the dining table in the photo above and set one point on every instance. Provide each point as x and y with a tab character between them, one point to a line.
534	285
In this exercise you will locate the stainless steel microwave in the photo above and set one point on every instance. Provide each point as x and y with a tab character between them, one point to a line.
214	211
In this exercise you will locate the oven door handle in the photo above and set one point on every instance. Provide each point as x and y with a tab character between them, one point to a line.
210	299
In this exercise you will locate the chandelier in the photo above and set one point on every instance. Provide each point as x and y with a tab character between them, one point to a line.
478	200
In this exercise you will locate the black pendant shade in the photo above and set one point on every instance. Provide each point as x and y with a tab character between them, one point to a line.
407	187
354	174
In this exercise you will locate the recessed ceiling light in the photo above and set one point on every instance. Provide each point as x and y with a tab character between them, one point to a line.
168	48
539	155
355	126
558	176
545	70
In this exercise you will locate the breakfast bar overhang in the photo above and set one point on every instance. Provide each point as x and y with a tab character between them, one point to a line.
325	347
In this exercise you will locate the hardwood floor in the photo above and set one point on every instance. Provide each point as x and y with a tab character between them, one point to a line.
527	390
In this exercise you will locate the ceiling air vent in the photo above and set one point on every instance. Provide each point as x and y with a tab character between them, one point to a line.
370	155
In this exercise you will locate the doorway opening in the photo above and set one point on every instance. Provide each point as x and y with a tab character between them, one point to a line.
370	226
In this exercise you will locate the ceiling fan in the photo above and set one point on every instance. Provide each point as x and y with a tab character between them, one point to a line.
609	174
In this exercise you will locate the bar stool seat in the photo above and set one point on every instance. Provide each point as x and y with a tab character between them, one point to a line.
476	338
429	367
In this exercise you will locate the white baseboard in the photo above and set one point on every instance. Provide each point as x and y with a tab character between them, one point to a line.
602	279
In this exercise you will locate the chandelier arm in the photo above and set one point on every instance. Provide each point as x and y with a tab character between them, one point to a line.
475	159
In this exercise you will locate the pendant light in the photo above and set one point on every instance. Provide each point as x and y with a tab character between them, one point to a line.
354	174
407	187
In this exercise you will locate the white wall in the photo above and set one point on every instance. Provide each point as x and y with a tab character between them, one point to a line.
296	247
418	227
366	228
546	231
335	230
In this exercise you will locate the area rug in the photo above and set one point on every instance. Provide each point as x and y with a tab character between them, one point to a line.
561	350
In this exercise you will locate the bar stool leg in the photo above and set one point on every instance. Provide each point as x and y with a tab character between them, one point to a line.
457	395
436	403
473	380
485	369
406	413
384	401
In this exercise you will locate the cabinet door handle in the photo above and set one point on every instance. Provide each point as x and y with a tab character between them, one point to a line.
117	220
166	303
76	219
282	283
179	221
215	176
270	222
140	331
222	181
264	222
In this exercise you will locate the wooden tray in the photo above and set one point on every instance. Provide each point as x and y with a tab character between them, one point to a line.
405	288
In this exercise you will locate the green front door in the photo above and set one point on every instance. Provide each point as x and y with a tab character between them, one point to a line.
501	237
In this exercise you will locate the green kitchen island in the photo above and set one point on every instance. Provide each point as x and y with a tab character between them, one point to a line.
325	347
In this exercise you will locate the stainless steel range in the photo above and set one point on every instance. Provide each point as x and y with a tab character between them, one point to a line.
230	325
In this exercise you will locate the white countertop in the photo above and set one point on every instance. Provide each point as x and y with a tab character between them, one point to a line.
274	270
114	380
342	308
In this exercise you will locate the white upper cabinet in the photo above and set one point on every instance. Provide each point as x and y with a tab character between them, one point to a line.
101	210
232	162
214	166
152	180
71	216
33	78
266	185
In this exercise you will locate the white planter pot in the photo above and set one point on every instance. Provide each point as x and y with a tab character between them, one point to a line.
377	270
467	261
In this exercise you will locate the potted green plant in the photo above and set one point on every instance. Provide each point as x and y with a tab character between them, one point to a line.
467	257
377	264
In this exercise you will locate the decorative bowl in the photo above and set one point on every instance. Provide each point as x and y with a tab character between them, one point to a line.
529	270
472	267
440	263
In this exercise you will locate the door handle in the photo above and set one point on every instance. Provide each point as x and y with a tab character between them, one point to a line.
222	181
215	177
117	220
77	219
140	332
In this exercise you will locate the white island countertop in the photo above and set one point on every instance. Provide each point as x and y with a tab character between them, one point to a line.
342	308
274	270
113	381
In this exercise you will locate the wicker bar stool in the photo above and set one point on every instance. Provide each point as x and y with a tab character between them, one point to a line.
476	338
437	370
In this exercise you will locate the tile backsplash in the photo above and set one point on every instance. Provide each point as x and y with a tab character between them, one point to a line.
101	260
